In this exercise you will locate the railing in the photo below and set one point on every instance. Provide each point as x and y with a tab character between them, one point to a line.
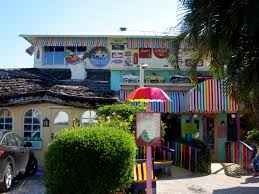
239	153
185	156
182	155
158	152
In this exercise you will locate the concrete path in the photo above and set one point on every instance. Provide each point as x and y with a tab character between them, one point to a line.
184	182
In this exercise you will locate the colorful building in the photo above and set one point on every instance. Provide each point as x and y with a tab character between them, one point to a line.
73	74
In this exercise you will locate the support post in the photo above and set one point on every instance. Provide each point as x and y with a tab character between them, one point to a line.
238	126
149	169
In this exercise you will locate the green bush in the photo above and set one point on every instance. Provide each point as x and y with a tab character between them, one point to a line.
252	136
122	116
89	160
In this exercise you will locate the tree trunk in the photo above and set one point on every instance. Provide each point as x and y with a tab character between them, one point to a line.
256	107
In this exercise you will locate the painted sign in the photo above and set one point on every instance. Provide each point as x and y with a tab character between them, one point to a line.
100	56
148	128
135	58
117	58
118	47
160	52
117	54
128	58
145	53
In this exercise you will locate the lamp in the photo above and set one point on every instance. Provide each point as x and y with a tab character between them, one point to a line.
195	116
46	122
233	115
141	74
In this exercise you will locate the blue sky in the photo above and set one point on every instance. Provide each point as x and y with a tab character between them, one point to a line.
46	16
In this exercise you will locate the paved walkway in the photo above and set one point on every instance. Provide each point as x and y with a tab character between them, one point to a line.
181	182
184	182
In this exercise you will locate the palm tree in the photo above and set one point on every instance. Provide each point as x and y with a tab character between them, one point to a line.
226	32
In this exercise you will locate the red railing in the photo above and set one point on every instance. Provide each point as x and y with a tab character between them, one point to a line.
239	153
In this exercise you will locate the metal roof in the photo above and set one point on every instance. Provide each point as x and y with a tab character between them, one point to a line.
118	34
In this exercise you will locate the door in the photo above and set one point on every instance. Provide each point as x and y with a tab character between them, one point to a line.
22	152
209	136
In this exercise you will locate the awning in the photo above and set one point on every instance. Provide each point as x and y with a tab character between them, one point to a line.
209	96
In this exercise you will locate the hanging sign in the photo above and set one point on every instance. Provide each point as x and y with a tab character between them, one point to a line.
100	56
148	128
160	52
145	53
135	58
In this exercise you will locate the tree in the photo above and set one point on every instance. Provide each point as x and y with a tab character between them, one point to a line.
226	33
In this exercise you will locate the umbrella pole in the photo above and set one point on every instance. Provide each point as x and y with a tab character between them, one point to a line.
149	169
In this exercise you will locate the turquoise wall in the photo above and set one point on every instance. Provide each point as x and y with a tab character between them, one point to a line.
116	76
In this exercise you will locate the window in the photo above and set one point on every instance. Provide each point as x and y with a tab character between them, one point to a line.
6	120
32	124
61	118
89	117
10	140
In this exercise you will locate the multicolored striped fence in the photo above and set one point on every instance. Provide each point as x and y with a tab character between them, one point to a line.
148	43
209	96
239	153
158	153
184	156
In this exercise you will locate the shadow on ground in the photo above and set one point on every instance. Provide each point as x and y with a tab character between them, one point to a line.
236	190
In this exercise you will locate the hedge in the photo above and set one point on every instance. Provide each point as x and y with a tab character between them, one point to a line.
89	160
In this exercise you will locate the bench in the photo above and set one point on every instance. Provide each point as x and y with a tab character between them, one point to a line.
140	178
165	165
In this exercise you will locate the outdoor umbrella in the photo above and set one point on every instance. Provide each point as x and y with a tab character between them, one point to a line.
147	94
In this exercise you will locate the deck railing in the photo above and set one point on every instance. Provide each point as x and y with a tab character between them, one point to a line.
185	156
158	152
182	155
239	153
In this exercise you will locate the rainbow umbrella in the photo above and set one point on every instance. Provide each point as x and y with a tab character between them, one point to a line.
148	94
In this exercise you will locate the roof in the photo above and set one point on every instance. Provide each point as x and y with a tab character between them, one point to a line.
118	34
32	85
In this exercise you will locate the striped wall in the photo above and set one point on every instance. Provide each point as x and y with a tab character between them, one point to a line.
209	96
166	107
69	41
99	41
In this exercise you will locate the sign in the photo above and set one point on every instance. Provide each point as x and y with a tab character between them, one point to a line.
160	52
100	56
128	58
117	54
145	53
148	128
135	58
120	47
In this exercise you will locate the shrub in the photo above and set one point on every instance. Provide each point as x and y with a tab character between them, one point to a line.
89	160
122	116
252	136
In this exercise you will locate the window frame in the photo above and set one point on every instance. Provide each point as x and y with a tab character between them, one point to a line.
63	123
81	120
4	117
40	118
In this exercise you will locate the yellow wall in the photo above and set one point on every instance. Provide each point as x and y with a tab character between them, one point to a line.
47	111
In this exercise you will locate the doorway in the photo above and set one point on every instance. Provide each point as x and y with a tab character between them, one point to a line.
209	133
173	127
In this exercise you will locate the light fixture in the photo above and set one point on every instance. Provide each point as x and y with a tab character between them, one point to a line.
144	66
195	116
233	116
46	122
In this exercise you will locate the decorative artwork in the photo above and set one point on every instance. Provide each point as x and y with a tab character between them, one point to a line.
145	53
128	58
117	58
100	56
160	52
135	58
148	128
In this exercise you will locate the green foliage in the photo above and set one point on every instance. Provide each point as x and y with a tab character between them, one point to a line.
121	116
204	156
89	160
252	136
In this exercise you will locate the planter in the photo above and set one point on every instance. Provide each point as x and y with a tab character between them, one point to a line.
36	144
